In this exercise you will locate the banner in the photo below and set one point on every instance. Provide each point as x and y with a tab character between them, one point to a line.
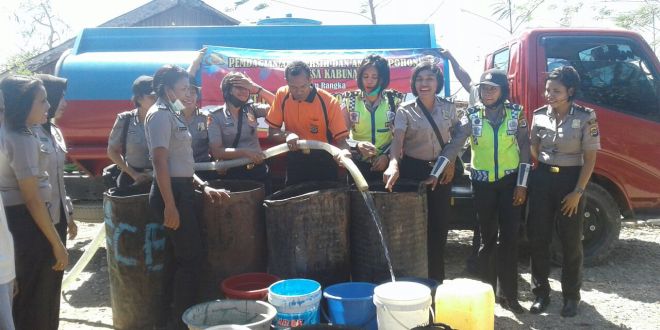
332	70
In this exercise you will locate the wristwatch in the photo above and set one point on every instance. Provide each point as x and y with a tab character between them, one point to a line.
579	190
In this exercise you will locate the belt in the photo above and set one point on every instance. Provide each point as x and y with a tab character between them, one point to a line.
429	163
557	169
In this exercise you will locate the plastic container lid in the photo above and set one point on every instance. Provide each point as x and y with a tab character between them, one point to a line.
402	293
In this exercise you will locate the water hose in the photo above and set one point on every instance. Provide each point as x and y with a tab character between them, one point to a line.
353	170
85	258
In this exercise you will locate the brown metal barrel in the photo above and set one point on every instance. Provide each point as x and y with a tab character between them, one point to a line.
307	227
135	246
234	231
403	215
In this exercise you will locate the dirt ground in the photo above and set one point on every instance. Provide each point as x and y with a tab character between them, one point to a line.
624	293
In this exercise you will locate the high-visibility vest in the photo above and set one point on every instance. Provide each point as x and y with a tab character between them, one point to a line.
495	152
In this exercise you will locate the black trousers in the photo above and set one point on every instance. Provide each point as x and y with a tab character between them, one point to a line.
545	216
318	165
438	214
499	222
185	251
37	304
257	173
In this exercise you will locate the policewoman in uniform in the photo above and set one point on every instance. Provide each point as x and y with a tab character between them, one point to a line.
51	136
428	134
197	123
500	168
127	144
172	191
564	139
369	113
311	114
26	193
233	128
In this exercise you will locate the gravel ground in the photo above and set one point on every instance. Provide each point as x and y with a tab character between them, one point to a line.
621	294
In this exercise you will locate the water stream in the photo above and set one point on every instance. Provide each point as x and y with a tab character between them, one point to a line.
369	201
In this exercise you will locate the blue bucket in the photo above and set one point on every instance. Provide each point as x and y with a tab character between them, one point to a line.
352	304
296	301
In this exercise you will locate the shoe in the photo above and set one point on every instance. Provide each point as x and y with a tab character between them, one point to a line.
570	308
511	305
540	305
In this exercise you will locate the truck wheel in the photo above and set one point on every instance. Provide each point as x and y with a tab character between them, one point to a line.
602	224
88	211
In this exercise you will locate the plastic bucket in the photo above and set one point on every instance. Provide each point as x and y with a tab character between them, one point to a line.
249	286
229	327
256	315
402	305
297	302
352	304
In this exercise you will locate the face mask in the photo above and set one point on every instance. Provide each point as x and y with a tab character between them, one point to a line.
176	106
374	92
235	101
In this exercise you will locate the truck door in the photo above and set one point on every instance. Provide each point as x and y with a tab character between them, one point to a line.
620	80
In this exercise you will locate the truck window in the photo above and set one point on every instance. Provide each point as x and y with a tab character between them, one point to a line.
501	59
614	73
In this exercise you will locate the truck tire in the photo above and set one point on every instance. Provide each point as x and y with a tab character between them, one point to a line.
602	224
88	211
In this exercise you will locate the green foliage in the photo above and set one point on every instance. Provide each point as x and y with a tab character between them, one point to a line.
17	63
515	14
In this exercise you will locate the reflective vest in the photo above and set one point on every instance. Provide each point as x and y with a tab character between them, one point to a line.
370	126
495	151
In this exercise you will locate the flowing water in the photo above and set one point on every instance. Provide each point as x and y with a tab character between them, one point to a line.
369	200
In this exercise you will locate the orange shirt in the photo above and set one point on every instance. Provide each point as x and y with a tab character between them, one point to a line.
305	118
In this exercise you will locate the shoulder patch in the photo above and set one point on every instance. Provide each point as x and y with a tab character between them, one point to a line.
541	109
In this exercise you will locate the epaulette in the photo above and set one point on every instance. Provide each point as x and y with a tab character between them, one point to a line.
515	106
214	109
161	106
475	108
581	108
446	100
395	93
407	103
543	108
129	113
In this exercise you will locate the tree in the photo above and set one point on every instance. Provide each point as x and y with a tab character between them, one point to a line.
516	14
643	19
41	30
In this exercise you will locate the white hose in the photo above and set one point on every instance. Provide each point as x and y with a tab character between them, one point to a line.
360	182
85	258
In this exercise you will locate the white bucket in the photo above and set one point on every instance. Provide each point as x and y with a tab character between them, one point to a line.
402	305
256	315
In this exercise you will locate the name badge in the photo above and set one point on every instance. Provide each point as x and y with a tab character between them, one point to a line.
575	123
182	128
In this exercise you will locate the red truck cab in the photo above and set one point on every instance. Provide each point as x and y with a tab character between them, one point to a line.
620	77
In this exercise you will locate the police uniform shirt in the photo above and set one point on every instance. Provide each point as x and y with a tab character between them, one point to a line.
22	155
223	127
420	140
200	137
56	160
166	129
562	143
137	152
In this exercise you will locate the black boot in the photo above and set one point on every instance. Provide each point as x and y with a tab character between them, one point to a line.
540	305
570	308
511	304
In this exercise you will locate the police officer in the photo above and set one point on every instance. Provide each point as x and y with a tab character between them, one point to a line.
564	139
197	122
499	172
127	145
53	141
172	192
233	128
428	134
26	193
311	114
369	113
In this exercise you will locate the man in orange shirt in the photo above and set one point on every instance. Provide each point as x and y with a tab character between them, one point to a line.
311	114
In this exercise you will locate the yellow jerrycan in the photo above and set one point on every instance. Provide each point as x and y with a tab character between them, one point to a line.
465	304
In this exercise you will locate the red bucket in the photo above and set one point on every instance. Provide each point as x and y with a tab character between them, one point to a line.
248	286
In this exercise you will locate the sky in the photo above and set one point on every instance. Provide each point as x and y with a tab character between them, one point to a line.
464	27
